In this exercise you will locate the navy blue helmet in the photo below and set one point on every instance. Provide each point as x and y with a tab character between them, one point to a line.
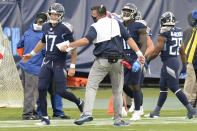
167	19
56	8
128	12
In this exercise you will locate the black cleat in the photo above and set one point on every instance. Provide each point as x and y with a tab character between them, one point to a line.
44	121
61	117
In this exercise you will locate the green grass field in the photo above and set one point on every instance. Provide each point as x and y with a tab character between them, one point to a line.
170	120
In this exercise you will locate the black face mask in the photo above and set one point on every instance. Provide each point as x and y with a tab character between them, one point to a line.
94	19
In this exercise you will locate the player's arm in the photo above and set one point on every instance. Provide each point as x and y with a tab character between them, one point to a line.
150	46
160	44
37	49
71	71
182	54
143	39
91	35
81	42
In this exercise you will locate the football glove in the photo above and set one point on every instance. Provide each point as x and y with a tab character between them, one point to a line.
146	69
183	72
136	66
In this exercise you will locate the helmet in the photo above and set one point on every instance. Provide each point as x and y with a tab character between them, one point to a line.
138	16
167	19
128	12
56	8
41	15
40	19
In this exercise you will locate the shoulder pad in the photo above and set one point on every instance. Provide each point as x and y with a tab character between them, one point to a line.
142	21
68	25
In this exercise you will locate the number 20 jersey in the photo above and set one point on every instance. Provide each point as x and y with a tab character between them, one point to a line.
54	36
172	43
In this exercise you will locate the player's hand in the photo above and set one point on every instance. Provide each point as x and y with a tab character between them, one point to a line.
141	59
183	72
63	48
1	56
27	57
71	72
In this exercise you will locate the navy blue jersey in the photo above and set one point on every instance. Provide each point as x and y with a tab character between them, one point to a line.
172	44
54	36
134	28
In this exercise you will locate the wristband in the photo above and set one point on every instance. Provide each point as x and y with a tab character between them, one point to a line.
72	65
139	53
33	53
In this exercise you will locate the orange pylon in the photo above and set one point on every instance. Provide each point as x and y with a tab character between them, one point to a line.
110	109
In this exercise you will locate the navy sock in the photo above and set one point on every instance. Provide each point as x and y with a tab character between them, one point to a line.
157	110
182	98
162	98
141	97
137	99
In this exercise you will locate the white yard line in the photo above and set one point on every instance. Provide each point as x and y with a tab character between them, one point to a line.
98	122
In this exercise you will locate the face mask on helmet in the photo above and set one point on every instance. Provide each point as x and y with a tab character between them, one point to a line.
138	16
40	19
167	19
128	12
54	10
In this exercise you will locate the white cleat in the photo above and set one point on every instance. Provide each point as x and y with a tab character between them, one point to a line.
131	109
141	111
124	112
136	115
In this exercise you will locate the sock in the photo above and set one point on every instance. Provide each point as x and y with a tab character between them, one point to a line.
181	96
189	108
137	99
162	98
157	110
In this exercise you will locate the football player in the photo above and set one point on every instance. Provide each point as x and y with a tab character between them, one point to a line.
55	32
132	77
169	45
146	69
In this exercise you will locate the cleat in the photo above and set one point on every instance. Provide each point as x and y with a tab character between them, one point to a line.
141	111
82	119
81	105
124	112
152	115
44	121
192	114
131	109
61	117
33	117
121	123
136	115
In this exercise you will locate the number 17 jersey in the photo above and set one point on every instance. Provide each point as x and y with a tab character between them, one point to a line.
54	36
172	44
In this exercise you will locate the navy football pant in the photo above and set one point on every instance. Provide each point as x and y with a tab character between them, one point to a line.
48	70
